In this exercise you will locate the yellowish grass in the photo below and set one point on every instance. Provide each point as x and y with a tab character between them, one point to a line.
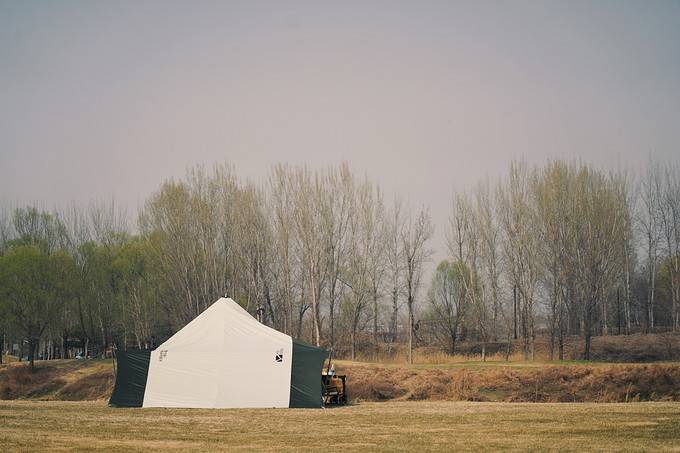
6	358
514	382
57	379
395	426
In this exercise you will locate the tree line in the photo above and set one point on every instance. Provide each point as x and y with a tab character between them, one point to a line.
554	250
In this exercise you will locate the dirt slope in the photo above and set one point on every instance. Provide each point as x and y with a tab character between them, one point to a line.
58	380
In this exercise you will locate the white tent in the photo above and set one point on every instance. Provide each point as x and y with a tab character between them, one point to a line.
223	358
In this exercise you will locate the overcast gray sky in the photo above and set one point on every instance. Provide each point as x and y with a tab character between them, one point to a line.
108	99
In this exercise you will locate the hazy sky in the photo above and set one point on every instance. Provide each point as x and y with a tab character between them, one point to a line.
108	99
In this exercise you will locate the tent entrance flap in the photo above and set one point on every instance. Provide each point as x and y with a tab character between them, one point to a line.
305	382
131	376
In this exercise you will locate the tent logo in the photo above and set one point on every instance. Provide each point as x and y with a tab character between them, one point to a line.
279	355
163	353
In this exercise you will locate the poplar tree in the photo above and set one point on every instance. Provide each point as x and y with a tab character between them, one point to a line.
414	237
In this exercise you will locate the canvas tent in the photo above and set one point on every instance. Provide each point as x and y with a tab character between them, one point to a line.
222	359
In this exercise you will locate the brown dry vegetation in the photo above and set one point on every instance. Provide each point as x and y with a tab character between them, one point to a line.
434	376
478	381
57	380
548	383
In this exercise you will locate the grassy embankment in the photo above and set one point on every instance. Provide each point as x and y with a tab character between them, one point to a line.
491	381
515	382
57	380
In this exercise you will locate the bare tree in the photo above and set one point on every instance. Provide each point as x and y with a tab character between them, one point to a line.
414	237
630	252
252	252
489	250
555	196
394	256
377	264
669	216
468	241
193	224
312	241
140	291
649	220
517	219
341	200
363	254
599	247
284	259
6	228
108	222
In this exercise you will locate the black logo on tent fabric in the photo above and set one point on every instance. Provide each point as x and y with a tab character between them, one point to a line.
163	353
279	355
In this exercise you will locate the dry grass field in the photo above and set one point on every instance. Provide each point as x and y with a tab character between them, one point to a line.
28	426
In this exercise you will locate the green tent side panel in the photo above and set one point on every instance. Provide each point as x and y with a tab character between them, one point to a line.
132	371
305	382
